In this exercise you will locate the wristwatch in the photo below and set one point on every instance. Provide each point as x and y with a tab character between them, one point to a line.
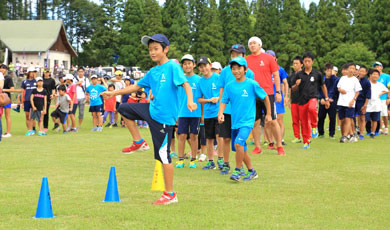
278	91
327	99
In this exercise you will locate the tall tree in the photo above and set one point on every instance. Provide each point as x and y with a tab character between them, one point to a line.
361	11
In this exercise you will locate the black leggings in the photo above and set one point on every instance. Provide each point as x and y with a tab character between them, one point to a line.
46	116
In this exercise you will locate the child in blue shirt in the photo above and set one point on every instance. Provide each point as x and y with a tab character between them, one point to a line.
161	113
242	94
96	103
209	98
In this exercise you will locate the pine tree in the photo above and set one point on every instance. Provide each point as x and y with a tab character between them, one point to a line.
380	28
131	27
267	22
310	27
361	22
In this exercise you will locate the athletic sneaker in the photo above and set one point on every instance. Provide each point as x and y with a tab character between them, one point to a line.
192	165
136	148
250	176
284	143
271	146
296	140
99	129
220	164
179	164
5	135
209	165
314	133
236	175
265	144
202	157
306	146
281	151
166	198
42	133
17	110
372	135
361	137
257	150
343	139
115	125
94	129
64	132
173	155
107	125
386	132
33	132
242	171
75	130
377	134
225	170
56	125
29	133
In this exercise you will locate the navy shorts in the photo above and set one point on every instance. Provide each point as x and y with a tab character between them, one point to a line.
358	108
345	112
211	128
373	116
27	106
117	104
201	136
75	109
95	108
262	110
59	114
239	136
8	106
188	124
161	133
225	129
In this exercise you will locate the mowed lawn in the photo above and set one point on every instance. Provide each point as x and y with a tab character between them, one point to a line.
330	186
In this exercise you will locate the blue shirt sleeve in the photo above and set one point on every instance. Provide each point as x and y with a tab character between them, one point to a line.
260	93
23	86
222	76
178	75
368	90
145	81
225	96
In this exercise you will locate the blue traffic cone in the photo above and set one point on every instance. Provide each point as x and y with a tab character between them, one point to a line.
44	209
112	194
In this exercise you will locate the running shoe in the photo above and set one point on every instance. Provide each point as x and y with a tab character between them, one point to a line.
314	133
136	148
220	164
265	144
368	134
64	132
271	146
192	165
236	175
173	155
94	129
361	137
343	139
17	110
99	129
209	165
56	125
386	132
377	134
284	143
281	151
372	136
166	198
202	157
250	176
257	150
306	146
29	133
242	171
5	135
179	164
75	130
115	125
107	125
296	140
33	132
225	170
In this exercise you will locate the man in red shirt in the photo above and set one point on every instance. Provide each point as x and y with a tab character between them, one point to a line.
264	66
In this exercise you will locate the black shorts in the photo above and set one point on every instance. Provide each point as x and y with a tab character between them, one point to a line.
161	133
261	110
201	136
117	104
27	106
74	109
96	108
225	129
188	125
211	128
59	114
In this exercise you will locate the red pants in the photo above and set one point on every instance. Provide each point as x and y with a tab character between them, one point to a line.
295	120
308	117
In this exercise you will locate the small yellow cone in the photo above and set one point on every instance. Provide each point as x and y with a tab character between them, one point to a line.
158	178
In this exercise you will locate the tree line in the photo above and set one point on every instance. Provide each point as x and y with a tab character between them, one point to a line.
336	31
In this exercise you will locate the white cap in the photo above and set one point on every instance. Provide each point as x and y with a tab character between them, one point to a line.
31	69
256	39
94	76
335	68
357	67
39	79
188	57
216	65
68	76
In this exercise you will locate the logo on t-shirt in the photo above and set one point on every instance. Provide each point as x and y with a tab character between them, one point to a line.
311	78
94	94
244	93
193	85
162	78
213	86
262	63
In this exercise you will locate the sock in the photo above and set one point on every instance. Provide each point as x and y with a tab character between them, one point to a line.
193	159
220	158
171	193
140	141
211	160
181	158
237	169
34	128
251	170
226	164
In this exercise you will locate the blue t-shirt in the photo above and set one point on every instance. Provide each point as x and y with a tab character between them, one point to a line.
209	89
365	93
226	77
242	96
164	81
94	92
125	97
331	87
384	78
184	111
28	86
282	75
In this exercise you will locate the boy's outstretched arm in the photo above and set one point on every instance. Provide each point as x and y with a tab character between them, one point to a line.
129	89
190	101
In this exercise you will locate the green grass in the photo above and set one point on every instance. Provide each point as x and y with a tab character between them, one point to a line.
330	186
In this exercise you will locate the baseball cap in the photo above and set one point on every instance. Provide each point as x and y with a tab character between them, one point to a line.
3	66
238	48
377	63
216	65
271	52
157	37
31	69
46	70
94	76
239	60
39	79
187	57
118	72
204	60
335	68
357	67
68	76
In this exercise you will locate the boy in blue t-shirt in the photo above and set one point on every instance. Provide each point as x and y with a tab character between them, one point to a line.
188	121
242	95
209	98
96	103
225	128
161	113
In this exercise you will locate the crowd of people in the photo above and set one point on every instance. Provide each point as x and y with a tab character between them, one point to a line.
219	107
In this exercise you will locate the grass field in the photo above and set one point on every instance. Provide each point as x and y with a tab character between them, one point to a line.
330	186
